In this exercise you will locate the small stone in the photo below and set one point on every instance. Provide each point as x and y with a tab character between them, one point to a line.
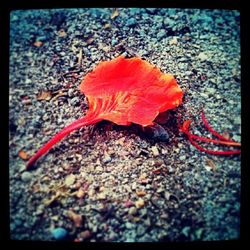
71	92
106	158
182	157
140	193
186	231
99	169
204	95
202	56
139	203
70	179
26	176
155	151
131	22
59	233
132	210
128	203
173	41
101	196
74	101
151	10
161	34
85	234
21	168
113	42
140	230
129	225
210	91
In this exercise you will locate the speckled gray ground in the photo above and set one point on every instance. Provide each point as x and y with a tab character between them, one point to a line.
110	183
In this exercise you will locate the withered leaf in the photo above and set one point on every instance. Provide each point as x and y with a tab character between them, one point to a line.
107	26
211	164
44	95
115	14
77	219
38	43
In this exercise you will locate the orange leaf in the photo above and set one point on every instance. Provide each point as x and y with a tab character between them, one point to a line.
122	91
127	91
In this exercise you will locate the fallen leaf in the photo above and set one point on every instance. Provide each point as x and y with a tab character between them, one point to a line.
44	95
107	26
144	92
61	93
211	164
115	14
61	33
38	43
23	155
77	218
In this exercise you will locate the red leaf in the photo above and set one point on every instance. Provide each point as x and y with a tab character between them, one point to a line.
123	91
127	91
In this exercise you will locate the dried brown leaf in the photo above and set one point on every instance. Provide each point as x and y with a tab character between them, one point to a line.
44	95
38	43
211	164
107	26
77	219
115	14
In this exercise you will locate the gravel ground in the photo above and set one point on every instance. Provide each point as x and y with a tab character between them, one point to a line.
113	183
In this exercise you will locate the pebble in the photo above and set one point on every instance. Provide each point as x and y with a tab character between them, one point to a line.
129	225
59	233
182	157
202	56
85	234
74	101
113	42
210	91
106	158
155	151
26	176
131	22
139	203
173	41
70	179
151	10
71	92
140	230
132	210
161	34
186	231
